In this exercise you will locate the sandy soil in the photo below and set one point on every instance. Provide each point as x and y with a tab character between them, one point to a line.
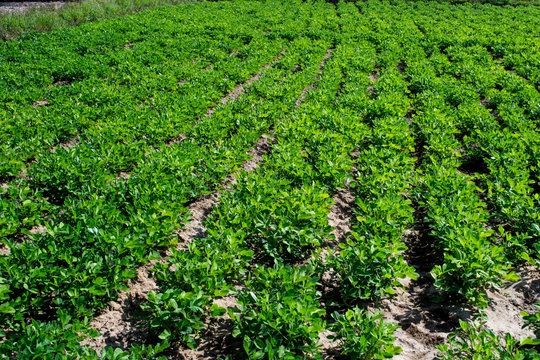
12	7
341	214
426	324
4	250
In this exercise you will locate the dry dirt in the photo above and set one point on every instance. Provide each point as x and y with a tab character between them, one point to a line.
4	250
240	88
426	324
340	215
66	145
373	77
13	7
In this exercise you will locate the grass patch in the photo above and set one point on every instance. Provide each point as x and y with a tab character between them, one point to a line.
72	14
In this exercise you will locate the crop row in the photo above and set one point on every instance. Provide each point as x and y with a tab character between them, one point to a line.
99	229
404	114
277	216
137	94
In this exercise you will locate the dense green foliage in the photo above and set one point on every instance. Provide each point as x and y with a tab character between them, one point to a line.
112	129
72	13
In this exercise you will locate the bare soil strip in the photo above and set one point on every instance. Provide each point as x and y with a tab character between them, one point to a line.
419	28
373	77
500	62
67	144
232	95
4	250
341	214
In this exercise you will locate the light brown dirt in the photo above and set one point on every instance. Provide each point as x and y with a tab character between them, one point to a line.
123	175
176	140
373	77
262	147
41	103
118	323
328	348
507	301
199	212
4	250
66	145
38	229
341	214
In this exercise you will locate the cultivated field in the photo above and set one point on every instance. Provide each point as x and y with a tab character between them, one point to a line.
273	180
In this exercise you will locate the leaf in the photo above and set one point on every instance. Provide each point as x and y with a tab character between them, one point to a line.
217	310
529	341
165	335
6	309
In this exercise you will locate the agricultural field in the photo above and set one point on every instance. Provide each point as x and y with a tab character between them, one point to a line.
273	180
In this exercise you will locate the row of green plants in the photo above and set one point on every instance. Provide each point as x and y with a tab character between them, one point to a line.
210	264
108	226
446	103
502	136
371	263
277	217
127	87
82	218
476	55
455	213
505	32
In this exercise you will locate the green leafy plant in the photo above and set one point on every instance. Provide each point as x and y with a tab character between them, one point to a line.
363	335
58	340
179	315
474	341
279	315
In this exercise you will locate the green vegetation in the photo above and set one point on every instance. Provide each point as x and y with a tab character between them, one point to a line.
365	336
426	113
475	341
73	13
